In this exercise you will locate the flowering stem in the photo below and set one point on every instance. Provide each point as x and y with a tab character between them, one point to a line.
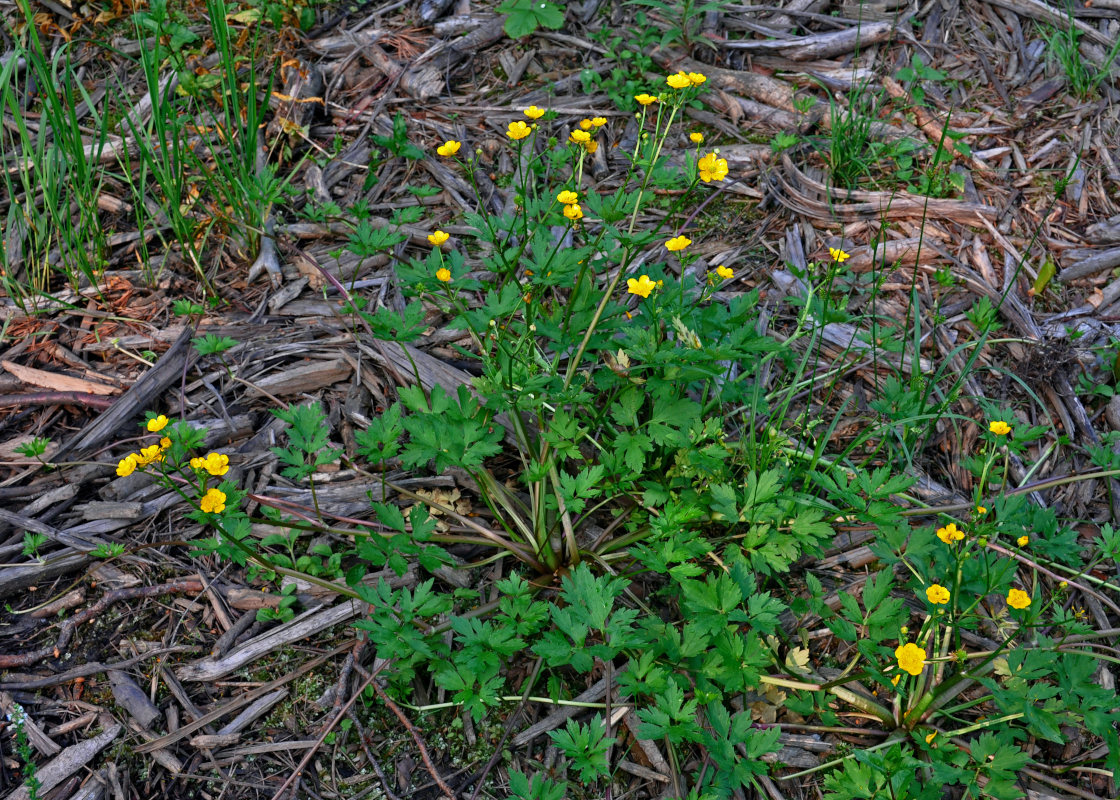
573	365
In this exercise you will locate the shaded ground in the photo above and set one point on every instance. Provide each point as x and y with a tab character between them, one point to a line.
1038	188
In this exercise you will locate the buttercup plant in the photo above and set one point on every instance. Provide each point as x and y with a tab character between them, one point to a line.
647	439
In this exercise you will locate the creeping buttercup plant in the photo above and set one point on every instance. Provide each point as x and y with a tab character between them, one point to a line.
657	503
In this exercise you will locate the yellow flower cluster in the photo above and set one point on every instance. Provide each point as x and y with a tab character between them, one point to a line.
570	201
147	455
217	464
682	79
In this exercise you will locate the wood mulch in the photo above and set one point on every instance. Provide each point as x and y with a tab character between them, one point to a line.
162	653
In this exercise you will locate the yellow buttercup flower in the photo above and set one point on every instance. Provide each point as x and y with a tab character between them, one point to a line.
712	168
1022	541
642	286
573	212
599	122
217	464
895	680
679	80
213	502
591	147
677	243
518	130
164	443
1017	598
725	272
532	112
929	737
127	465
937	594
999	428
449	148
696	78
981	510
585	124
149	454
198	463
443	274
838	255
579	137
567	197
950	533
438	238
157	424
911	658
645	99
696	137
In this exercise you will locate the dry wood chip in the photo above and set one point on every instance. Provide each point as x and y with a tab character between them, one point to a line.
56	382
303	379
100	509
821	45
210	741
133	699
